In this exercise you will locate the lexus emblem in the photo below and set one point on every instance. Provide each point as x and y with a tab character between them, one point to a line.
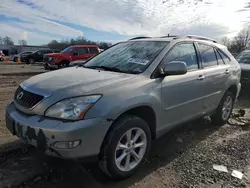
19	96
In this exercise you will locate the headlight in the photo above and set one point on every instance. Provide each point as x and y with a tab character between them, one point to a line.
73	108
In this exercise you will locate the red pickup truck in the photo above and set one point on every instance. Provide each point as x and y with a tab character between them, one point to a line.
72	53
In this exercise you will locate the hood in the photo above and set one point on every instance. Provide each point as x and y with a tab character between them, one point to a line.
73	81
53	54
245	66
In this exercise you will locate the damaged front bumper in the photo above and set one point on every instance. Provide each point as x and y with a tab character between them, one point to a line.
76	139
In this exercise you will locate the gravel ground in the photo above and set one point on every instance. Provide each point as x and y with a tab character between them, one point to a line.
184	157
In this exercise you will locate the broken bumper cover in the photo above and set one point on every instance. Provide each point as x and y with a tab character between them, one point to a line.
50	65
45	133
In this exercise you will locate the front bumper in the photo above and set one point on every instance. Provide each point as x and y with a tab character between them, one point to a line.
43	133
49	65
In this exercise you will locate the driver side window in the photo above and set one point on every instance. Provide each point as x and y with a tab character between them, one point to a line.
184	52
41	53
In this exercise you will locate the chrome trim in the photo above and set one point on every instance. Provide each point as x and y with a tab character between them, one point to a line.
28	110
33	91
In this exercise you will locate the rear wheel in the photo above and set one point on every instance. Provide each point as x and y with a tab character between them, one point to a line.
15	59
224	109
125	147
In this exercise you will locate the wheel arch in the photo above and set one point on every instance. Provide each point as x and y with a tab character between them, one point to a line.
233	89
145	112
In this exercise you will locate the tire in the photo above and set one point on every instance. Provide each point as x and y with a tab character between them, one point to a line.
31	61
46	67
63	64
218	118
109	151
15	59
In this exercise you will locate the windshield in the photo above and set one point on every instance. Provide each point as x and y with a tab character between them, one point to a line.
67	50
128	57
244	57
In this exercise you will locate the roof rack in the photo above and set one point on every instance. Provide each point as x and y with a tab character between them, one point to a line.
139	38
169	36
201	38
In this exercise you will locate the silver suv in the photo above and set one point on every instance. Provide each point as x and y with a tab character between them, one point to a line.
125	97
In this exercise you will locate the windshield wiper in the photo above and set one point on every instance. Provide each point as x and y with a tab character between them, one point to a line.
106	68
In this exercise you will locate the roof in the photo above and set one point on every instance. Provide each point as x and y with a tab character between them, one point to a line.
84	45
178	38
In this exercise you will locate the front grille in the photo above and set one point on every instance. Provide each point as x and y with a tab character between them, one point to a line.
26	99
45	59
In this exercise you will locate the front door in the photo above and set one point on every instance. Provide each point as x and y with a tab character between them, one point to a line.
39	57
182	94
80	54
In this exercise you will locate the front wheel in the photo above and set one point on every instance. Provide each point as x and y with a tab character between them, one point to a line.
31	61
63	64
125	147
224	109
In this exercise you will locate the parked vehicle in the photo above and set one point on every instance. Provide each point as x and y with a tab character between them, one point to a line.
244	59
77	63
1	55
15	57
72	53
36	56
125	97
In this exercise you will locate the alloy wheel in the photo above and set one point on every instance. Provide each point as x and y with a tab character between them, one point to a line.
227	107
130	149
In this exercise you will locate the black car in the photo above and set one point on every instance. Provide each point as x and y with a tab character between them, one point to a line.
15	57
244	60
37	56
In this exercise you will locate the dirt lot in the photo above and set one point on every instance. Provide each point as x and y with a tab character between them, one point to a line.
182	158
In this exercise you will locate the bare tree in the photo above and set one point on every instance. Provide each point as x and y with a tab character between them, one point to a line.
241	41
7	41
22	42
226	41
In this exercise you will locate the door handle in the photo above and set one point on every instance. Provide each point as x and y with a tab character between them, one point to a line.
227	71
201	77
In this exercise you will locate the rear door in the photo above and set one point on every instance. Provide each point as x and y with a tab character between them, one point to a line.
182	95
80	53
216	73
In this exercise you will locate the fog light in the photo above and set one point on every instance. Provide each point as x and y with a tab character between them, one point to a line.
67	145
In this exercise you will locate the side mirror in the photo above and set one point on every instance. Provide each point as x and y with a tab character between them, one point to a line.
174	68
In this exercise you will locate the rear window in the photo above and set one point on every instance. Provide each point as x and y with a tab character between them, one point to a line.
93	50
225	58
219	58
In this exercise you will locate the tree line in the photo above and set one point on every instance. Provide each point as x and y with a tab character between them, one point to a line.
54	44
